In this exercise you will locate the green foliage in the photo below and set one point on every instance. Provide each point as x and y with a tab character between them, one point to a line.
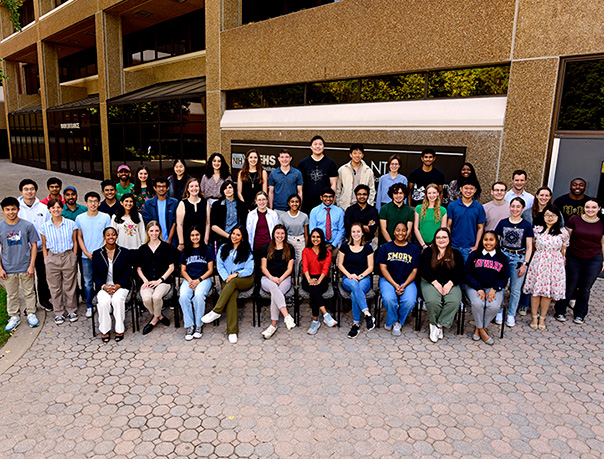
333	92
13	7
4	335
469	82
582	105
394	87
283	95
246	98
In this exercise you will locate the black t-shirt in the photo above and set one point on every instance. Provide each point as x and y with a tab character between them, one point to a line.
570	207
196	261
421	180
277	265
513	235
356	263
316	175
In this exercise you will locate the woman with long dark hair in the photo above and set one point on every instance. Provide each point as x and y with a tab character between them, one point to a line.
278	259
143	186
251	179
226	214
217	172
236	269
546	277
178	179
442	271
316	259
193	210
534	215
452	191
128	224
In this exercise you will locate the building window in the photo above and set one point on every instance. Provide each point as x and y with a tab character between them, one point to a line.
175	37
31	78
27	138
582	102
26	13
79	65
260	10
474	82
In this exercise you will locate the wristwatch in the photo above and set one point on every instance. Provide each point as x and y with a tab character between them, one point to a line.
162	279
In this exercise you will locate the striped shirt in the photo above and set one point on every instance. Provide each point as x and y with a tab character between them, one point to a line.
59	239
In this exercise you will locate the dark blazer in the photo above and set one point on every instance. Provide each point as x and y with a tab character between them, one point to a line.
150	213
218	217
122	268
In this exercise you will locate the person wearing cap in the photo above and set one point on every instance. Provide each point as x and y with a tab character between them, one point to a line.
72	209
124	185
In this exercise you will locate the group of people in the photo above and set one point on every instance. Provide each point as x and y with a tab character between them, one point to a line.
422	236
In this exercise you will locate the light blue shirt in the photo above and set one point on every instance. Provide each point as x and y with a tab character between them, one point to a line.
59	239
161	214
231	215
92	230
228	266
386	181
318	217
285	185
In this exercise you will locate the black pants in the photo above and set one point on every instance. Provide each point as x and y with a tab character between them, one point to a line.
42	286
316	293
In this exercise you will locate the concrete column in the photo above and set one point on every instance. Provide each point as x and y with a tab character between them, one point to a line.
110	66
214	104
50	89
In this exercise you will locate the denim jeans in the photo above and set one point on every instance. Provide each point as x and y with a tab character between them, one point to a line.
397	307
515	282
581	273
88	285
357	290
192	316
465	252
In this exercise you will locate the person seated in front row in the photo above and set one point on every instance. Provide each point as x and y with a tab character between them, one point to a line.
316	259
236	269
487	274
111	274
196	268
278	260
355	261
442	271
155	265
399	261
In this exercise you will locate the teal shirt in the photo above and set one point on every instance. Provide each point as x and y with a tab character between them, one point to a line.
393	216
72	214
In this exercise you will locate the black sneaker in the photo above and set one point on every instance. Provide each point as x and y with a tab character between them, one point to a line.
370	321
354	331
46	306
560	317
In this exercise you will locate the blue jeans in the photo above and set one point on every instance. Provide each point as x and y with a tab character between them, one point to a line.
581	273
357	290
515	282
88	284
397	307
465	252
192	316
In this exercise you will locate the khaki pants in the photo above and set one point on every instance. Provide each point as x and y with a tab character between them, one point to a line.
61	274
12	294
153	298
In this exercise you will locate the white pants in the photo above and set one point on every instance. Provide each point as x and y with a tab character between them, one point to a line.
104	304
298	243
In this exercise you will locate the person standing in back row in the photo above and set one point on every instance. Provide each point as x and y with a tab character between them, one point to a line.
318	172
466	219
423	176
573	203
497	209
352	174
124	185
284	182
519	179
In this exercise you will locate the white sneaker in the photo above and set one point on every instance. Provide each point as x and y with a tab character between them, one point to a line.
396	330
88	313
211	317
232	337
32	320
329	321
441	335
289	322
13	323
499	318
433	333
511	322
270	331
387	327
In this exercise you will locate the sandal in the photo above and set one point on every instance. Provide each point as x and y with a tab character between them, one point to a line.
542	322
119	337
534	325
105	337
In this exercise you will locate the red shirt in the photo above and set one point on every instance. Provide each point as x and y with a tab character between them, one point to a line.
263	235
48	198
312	265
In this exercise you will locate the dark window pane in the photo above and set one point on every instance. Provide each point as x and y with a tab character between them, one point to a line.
149	112
78	65
333	92
169	111
130	112
255	11
485	81
245	98
582	104
395	87
280	96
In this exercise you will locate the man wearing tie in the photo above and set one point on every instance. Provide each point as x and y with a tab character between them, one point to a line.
330	219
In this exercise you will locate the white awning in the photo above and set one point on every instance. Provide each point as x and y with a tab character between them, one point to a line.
484	113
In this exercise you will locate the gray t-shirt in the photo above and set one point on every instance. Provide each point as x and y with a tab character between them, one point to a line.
295	225
15	241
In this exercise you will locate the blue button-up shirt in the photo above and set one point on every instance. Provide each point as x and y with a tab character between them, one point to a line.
59	239
228	266
285	185
318	217
386	181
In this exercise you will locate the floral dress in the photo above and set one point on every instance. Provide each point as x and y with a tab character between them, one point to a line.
546	275
142	197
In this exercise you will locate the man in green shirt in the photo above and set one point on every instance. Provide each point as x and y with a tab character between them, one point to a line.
124	185
72	209
395	212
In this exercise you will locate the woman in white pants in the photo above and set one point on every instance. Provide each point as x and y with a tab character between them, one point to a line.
111	273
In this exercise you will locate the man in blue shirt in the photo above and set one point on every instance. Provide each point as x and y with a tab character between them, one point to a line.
283	182
329	218
162	209
466	220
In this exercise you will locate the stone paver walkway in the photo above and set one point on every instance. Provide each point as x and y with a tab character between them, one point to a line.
532	394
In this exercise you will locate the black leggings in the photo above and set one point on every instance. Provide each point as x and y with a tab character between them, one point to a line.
316	293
